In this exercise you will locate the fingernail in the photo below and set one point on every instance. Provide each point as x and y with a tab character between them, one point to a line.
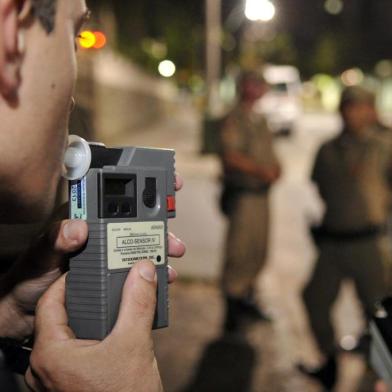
67	229
173	272
147	271
180	241
70	230
176	238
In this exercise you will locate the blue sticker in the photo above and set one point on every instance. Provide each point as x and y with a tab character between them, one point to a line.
78	199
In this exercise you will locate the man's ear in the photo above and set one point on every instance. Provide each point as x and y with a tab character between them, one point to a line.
25	10
11	12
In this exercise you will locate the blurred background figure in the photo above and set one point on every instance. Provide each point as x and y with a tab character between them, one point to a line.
353	175
250	167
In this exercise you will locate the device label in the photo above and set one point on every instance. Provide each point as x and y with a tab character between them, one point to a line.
131	242
78	199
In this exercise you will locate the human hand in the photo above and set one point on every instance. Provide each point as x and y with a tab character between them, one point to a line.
269	174
176	246
277	172
35	271
381	386
123	361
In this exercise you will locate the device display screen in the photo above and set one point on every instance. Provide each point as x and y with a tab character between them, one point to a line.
117	187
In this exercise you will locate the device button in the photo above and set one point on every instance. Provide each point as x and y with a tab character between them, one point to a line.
113	208
150	192
126	208
171	203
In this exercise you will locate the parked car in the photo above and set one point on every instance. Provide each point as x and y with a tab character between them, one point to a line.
281	105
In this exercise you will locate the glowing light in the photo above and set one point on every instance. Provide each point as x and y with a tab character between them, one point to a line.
259	10
333	7
100	40
87	39
352	77
384	68
167	68
158	50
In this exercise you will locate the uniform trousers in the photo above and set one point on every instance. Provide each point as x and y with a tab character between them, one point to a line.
246	243
362	262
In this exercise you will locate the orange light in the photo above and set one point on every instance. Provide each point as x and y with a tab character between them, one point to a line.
87	39
100	40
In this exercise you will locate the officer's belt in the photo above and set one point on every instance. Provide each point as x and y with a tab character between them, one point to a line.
369	232
239	189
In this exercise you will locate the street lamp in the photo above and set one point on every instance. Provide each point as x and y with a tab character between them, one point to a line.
167	68
334	7
260	10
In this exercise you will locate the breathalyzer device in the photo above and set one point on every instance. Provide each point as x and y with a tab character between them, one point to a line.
126	195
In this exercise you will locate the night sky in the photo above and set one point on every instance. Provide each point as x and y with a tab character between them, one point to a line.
363	30
360	36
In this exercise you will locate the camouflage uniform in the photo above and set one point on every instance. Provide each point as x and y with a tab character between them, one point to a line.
352	175
247	237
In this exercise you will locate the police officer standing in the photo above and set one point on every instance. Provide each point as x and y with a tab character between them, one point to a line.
250	168
352	173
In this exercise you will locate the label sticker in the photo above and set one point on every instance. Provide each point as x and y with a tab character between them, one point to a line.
131	242
78	199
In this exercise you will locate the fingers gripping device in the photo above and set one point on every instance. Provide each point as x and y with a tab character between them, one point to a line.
126	196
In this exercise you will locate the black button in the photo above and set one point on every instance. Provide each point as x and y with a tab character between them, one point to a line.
113	208
150	192
126	208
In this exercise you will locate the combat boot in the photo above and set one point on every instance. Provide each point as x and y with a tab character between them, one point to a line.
240	310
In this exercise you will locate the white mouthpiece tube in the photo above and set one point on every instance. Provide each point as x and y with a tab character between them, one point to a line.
77	158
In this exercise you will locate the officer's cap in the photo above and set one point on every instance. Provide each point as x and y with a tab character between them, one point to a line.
356	94
250	76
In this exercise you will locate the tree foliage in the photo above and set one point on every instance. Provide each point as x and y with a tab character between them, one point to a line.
149	31
306	36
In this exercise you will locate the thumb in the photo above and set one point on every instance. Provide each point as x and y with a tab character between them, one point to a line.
138	301
48	252
68	235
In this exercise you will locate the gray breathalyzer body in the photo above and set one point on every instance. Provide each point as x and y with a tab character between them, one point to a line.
126	197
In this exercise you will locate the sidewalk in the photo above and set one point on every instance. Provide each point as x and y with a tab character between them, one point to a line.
193	356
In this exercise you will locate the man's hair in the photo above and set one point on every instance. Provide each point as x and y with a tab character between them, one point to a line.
45	12
250	76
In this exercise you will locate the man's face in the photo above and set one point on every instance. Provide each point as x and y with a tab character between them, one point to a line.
253	89
358	117
33	132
